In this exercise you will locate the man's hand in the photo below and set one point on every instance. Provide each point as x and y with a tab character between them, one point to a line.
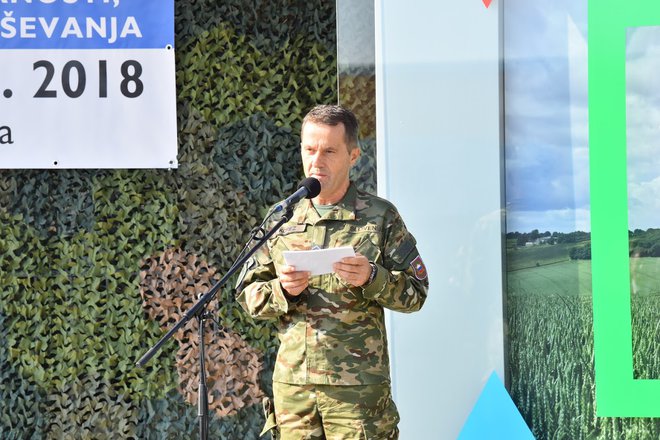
293	282
354	270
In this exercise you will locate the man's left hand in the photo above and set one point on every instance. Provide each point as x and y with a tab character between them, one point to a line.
354	270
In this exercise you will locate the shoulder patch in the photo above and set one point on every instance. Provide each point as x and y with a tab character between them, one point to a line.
418	268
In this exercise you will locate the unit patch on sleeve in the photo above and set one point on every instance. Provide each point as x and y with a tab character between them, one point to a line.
418	267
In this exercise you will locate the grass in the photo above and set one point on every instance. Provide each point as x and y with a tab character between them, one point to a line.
533	256
550	333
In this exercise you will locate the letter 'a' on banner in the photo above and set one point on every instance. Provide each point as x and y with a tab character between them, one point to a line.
87	84
618	393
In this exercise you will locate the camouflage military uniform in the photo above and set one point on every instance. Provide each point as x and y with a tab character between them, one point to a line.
334	333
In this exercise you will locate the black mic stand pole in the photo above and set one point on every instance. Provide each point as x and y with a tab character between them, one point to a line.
198	310
202	392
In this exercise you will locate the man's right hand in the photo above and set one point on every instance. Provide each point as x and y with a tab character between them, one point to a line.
293	282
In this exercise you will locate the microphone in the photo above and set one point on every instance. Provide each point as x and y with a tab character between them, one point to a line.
307	189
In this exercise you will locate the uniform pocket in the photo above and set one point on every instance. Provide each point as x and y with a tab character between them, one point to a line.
367	246
384	425
403	253
291	240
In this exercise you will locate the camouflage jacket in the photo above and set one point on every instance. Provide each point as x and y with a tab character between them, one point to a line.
334	333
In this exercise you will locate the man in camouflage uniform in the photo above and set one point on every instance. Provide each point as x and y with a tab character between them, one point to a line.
332	377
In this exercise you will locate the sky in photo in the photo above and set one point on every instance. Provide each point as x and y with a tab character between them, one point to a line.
546	118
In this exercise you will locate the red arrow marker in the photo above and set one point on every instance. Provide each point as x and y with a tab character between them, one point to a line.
487	2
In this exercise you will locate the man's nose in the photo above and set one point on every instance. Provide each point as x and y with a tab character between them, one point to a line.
317	159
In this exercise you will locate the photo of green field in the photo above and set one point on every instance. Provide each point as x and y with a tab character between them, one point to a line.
550	336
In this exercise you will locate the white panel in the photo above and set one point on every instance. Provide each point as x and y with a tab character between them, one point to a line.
88	85
438	97
89	131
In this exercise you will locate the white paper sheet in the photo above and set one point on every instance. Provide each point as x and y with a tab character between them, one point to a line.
319	261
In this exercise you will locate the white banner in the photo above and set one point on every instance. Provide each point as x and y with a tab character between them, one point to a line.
87	84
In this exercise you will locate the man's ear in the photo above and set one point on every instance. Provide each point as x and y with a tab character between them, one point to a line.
355	155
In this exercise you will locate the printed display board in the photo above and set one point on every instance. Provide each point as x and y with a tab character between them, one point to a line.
87	84
583	237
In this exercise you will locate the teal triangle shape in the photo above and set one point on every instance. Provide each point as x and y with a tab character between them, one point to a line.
495	416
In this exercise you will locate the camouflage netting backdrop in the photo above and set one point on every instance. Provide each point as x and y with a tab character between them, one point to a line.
95	264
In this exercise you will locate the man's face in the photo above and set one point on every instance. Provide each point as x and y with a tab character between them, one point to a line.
325	156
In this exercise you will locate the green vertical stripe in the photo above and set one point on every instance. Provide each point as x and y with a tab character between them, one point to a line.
617	393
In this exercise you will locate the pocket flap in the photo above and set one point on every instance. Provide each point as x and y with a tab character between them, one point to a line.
269	413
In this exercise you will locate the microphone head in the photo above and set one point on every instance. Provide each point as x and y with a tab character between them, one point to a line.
312	185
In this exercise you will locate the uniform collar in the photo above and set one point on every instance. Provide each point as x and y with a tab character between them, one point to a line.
344	210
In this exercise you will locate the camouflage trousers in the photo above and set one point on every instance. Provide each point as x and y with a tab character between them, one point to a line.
356	412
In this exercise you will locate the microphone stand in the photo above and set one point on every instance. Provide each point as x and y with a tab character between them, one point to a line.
198	310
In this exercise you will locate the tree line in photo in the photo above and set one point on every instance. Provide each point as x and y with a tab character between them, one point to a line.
642	243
